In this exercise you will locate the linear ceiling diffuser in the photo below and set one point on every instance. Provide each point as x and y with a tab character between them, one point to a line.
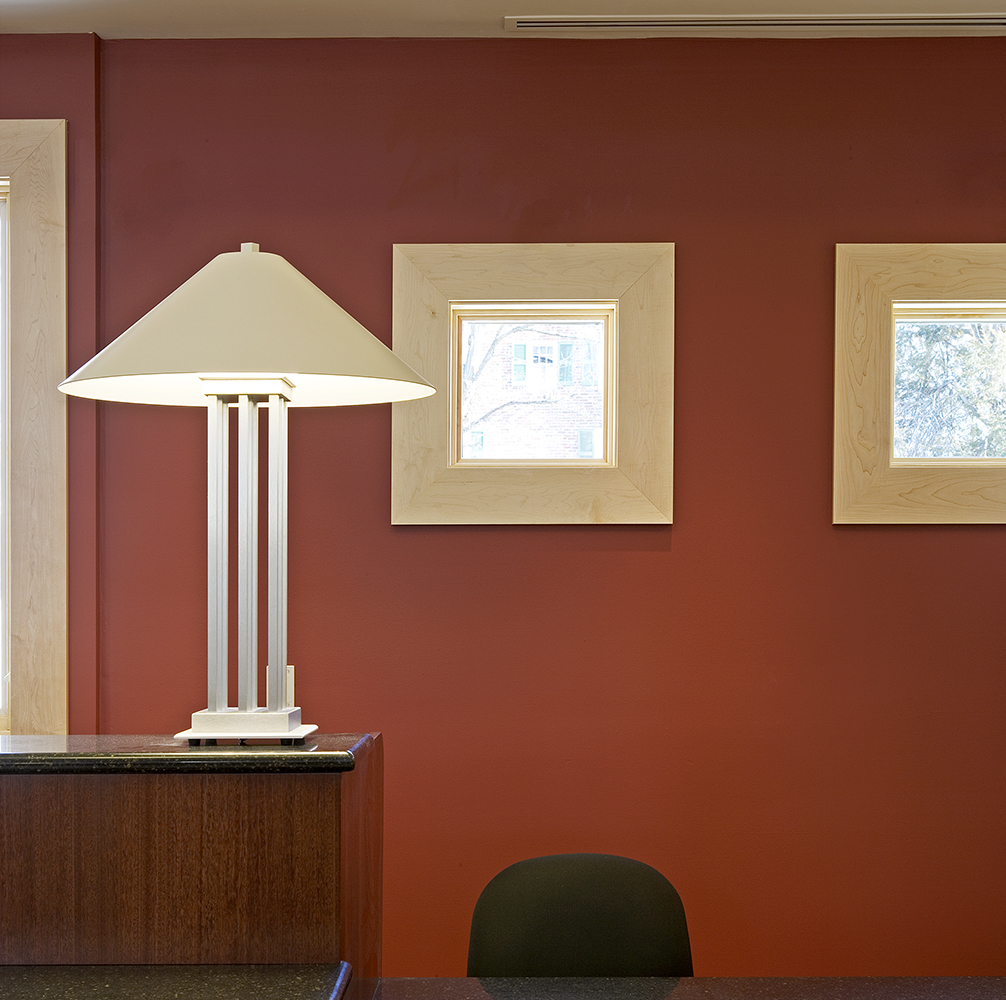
765	26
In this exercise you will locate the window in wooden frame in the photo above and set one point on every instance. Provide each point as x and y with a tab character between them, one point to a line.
876	284
949	383
634	483
531	416
33	156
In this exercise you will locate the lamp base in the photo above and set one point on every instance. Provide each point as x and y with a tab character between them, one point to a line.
238	724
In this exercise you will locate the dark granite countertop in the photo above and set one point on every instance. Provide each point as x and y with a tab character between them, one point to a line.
699	988
173	982
329	982
165	754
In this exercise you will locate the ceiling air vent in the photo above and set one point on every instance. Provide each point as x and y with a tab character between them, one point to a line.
764	26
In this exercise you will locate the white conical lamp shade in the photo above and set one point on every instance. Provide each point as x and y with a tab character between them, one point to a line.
247	315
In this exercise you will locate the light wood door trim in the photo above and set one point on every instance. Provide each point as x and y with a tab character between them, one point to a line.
33	155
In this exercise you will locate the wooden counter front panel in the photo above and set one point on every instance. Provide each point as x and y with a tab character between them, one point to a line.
362	874
171	868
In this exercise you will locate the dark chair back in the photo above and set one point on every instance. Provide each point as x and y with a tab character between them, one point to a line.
579	915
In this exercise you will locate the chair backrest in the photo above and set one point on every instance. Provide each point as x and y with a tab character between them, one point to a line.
579	915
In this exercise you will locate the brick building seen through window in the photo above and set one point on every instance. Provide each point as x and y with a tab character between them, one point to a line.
532	390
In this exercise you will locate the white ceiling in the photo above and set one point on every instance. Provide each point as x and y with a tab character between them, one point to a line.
485	18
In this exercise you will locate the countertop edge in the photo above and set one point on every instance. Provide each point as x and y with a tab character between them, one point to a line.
160	755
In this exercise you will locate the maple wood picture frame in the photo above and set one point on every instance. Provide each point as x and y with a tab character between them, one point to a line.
635	486
870	486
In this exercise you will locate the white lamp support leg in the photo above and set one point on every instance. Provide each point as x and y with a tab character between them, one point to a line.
276	683
247	553
217	464
279	718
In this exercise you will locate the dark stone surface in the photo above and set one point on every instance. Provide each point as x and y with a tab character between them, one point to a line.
322	982
165	755
170	982
699	988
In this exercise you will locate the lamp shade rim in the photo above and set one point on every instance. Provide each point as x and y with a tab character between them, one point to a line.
193	389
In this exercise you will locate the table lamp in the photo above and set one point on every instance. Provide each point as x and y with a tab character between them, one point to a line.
247	331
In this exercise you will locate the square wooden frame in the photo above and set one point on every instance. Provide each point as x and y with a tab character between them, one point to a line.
427	489
869	488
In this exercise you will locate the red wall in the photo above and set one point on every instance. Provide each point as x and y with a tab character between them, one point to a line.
800	724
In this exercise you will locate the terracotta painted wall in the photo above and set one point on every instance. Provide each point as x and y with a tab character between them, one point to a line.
800	724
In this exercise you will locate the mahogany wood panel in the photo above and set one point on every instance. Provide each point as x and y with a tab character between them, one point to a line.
185	868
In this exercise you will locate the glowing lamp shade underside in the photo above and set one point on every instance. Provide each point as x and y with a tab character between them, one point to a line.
247	316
